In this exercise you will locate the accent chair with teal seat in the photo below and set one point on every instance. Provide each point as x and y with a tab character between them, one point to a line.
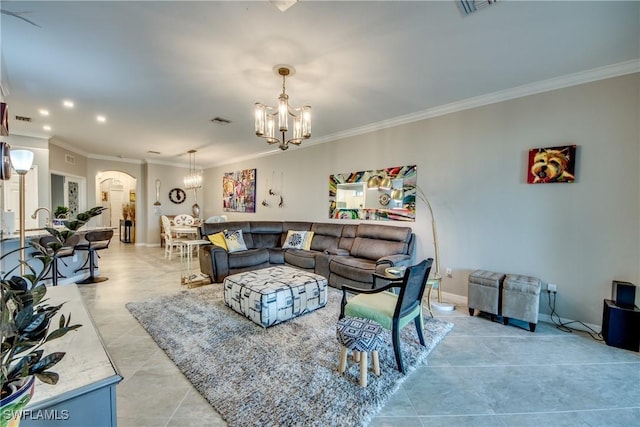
392	311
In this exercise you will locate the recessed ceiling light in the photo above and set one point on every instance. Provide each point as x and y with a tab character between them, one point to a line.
43	112
68	103
46	127
101	118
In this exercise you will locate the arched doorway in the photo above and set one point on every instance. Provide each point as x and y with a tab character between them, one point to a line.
116	191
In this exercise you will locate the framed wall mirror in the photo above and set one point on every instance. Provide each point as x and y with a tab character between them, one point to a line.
384	194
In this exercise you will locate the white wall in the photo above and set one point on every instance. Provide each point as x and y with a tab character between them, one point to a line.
472	165
170	177
135	170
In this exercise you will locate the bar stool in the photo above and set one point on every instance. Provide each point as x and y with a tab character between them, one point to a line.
65	251
96	241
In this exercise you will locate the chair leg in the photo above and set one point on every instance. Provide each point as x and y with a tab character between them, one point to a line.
343	303
396	346
363	368
54	272
342	363
419	327
92	266
376	362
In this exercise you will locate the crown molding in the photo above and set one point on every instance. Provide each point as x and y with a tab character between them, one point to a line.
167	163
569	80
595	74
66	146
115	159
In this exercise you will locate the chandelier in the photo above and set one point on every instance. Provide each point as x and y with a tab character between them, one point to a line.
194	179
266	117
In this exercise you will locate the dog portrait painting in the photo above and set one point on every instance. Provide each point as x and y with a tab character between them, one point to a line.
552	164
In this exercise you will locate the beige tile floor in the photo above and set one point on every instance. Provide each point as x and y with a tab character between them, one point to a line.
483	373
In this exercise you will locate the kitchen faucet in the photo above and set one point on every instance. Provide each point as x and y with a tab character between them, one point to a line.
48	220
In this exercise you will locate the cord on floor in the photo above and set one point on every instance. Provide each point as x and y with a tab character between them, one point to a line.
564	326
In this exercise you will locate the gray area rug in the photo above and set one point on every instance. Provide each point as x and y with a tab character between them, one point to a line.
285	375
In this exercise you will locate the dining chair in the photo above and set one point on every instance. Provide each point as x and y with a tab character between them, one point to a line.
392	311
170	240
184	219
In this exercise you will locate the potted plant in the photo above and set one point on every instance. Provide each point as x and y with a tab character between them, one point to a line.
62	212
25	323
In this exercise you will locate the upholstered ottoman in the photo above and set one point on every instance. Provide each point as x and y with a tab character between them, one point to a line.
273	295
362	336
521	299
484	291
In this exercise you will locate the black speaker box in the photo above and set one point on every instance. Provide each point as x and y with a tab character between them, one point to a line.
623	293
621	326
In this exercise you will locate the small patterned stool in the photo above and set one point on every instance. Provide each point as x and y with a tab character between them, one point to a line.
362	336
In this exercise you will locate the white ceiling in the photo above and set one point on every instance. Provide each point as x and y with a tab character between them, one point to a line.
160	71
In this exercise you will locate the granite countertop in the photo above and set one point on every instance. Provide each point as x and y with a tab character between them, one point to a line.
86	365
41	232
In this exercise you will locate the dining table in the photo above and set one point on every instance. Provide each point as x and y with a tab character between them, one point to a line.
190	231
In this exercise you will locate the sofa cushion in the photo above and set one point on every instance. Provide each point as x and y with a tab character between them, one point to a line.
384	232
356	269
348	236
234	241
248	258
276	255
374	249
300	258
325	236
265	234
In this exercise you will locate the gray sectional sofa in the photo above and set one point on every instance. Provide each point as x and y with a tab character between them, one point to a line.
343	253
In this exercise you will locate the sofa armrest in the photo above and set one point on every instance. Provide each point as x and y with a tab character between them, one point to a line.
214	262
394	261
336	251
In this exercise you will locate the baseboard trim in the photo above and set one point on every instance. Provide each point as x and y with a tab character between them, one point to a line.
578	325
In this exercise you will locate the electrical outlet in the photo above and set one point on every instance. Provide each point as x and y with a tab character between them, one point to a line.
552	287
449	273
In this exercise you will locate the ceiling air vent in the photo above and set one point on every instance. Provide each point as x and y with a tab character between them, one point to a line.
470	6
23	119
220	121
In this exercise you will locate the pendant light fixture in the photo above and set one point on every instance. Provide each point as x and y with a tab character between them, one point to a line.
266	116
193	181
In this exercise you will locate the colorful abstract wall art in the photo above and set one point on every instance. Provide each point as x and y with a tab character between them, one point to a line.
385	194
239	191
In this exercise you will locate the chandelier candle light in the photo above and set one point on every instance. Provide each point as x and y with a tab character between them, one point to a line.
193	181
266	116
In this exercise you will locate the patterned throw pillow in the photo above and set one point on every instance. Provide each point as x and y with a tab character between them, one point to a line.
295	239
218	240
234	241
